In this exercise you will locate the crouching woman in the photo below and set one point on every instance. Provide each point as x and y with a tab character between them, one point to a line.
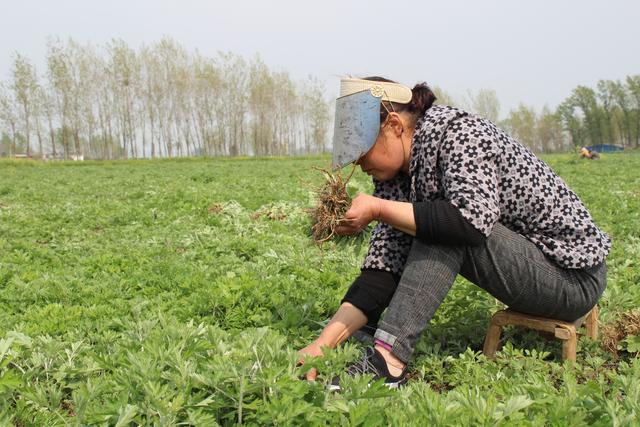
453	195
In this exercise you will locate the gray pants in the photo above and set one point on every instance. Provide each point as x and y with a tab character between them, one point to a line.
507	265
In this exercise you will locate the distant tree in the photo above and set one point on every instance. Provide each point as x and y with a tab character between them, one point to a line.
572	122
521	123
316	115
485	103
25	87
5	144
39	97
261	99
160	101
124	73
234	96
8	117
606	100
549	131
585	99
623	104
443	97
633	85
60	82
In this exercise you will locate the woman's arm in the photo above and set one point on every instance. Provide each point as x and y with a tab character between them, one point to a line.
397	214
434	221
366	208
342	325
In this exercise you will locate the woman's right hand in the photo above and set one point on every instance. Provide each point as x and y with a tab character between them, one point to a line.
345	322
364	209
314	349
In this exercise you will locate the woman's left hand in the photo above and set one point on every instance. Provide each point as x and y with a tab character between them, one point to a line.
314	350
364	209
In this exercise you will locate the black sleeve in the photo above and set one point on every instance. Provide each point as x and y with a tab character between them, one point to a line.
438	221
371	292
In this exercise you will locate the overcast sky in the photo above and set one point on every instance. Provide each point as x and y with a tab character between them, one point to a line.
534	52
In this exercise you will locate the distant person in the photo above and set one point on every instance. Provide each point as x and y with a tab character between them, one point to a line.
453	195
585	153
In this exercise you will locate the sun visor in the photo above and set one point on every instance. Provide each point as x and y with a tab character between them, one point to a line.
356	127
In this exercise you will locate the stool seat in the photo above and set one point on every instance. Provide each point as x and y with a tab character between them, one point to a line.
564	331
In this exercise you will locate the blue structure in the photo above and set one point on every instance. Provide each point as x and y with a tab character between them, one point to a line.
605	148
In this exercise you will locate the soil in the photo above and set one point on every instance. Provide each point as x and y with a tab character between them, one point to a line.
333	203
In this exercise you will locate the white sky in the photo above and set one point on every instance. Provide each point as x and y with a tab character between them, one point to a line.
534	52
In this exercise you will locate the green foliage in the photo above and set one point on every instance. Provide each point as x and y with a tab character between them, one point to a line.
178	291
608	115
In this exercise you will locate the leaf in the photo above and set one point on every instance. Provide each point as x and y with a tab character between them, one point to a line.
5	345
633	343
126	415
339	404
19	338
513	405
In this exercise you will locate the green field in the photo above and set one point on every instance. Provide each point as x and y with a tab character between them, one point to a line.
177	292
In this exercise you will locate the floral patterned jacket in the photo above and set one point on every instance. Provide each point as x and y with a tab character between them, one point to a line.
490	178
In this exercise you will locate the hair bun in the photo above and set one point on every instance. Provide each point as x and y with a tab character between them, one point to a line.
422	99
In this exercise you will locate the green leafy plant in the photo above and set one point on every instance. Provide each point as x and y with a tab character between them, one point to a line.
164	292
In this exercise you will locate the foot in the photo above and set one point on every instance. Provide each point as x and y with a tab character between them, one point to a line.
373	363
394	365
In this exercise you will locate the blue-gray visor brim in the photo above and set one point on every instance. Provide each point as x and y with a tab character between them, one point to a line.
356	128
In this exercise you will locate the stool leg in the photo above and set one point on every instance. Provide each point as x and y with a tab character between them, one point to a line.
591	323
491	340
569	347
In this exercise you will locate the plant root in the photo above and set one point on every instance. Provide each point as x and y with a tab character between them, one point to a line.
333	203
615	332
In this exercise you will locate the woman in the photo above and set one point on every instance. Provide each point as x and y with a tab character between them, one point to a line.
453	195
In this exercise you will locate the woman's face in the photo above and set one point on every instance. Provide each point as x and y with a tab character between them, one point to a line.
387	156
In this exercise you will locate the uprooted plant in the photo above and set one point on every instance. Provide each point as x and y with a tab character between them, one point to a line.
333	202
616	335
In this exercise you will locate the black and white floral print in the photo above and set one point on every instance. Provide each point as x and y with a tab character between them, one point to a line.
389	247
490	178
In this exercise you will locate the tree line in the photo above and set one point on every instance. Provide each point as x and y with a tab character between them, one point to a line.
161	100
608	114
542	132
114	102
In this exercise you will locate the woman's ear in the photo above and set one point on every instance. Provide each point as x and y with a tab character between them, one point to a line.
394	122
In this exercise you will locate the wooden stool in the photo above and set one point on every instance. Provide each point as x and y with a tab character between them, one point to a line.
565	331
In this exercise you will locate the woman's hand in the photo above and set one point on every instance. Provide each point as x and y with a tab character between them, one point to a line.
314	349
342	325
363	210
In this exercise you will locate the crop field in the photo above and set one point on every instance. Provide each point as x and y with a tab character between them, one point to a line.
177	292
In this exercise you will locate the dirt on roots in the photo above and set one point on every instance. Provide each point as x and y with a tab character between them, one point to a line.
615	332
333	203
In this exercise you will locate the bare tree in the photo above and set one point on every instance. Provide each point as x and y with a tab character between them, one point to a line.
549	131
521	123
25	86
47	105
161	101
443	97
317	115
485	103
60	81
8	116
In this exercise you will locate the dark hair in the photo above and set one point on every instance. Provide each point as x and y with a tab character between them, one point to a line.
422	99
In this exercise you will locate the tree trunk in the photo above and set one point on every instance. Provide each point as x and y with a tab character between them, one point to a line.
39	133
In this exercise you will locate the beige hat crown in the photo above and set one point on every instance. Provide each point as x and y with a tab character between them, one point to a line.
394	92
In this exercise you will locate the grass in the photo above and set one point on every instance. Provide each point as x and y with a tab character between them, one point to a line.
178	291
